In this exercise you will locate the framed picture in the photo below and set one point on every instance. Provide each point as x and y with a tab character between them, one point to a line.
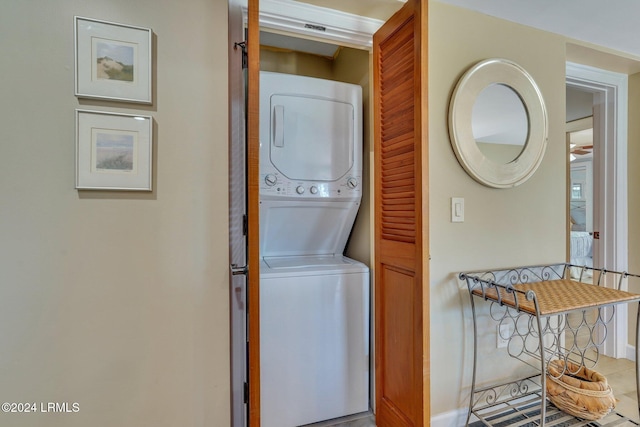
113	61
113	151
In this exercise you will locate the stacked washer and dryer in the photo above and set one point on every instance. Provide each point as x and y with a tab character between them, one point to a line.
314	302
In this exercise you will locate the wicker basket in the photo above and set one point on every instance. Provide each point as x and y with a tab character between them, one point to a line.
579	391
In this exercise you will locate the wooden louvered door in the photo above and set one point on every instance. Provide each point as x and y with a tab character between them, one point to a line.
253	210
401	231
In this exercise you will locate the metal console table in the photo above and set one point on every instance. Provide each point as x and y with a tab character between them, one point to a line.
551	317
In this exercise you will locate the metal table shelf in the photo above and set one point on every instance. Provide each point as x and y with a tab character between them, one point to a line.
551	316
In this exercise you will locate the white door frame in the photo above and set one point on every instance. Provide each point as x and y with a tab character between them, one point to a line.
237	215
610	165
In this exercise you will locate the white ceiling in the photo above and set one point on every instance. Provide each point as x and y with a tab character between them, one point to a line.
613	24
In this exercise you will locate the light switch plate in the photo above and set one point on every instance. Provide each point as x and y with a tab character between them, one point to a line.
457	209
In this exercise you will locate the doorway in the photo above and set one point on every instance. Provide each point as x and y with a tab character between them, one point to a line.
415	15
319	59
581	195
609	171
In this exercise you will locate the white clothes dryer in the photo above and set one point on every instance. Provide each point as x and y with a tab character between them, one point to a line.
310	164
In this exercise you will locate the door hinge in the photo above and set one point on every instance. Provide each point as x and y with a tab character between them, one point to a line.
238	271
243	46
245	225
246	393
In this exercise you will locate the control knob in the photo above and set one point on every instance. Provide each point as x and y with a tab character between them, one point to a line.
352	182
270	180
314	189
299	189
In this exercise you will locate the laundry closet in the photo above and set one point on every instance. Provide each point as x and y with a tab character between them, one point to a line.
315	231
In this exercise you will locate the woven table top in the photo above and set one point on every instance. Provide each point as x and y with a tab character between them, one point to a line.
559	296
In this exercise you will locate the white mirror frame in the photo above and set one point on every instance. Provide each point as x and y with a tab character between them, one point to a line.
479	167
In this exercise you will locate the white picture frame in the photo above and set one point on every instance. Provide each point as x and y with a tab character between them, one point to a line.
112	61
114	151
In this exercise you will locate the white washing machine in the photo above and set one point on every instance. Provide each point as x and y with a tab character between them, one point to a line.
314	302
314	329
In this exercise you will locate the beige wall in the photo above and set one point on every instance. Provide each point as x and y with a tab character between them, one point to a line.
299	63
503	228
352	66
633	156
117	301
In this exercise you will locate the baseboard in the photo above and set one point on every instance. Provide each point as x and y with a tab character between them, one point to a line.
631	352
454	418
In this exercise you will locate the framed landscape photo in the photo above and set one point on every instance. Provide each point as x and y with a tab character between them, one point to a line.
113	61
113	151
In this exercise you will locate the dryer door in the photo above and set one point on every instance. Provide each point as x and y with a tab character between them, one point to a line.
311	139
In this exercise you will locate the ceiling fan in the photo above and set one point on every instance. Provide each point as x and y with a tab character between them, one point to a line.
581	143
580	150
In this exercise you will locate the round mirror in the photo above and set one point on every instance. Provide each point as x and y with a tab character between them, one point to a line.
498	123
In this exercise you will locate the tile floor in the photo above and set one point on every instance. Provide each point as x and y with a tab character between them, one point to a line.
365	419
621	375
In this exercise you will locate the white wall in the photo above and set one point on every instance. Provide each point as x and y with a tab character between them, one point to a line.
579	104
117	301
503	227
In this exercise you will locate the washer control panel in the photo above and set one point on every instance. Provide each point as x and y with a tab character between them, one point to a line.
275	184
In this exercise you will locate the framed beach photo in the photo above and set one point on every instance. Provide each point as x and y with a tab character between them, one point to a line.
113	151
113	61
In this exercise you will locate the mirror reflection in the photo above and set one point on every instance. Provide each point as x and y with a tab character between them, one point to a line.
500	123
